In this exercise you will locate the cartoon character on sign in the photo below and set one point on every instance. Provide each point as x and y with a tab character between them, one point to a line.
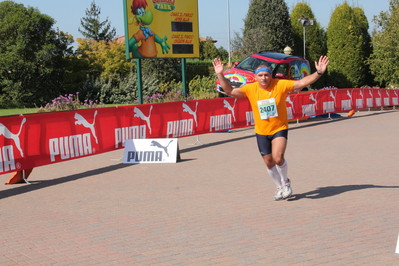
142	44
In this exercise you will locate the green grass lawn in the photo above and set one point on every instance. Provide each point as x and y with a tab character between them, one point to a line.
22	111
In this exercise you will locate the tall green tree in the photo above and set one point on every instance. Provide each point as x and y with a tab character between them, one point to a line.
208	50
385	57
223	53
367	49
94	28
254	41
31	56
315	38
346	46
271	18
73	68
104	59
237	46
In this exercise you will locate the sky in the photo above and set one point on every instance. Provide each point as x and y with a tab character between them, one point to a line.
215	19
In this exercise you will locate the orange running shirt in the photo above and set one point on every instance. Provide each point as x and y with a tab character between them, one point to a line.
278	90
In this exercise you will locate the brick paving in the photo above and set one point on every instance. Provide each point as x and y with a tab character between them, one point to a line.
216	206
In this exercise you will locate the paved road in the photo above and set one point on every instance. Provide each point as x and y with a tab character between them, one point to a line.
216	206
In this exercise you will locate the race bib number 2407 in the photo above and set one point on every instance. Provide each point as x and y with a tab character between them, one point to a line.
267	108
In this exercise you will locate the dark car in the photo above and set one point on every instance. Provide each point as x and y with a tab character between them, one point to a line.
283	67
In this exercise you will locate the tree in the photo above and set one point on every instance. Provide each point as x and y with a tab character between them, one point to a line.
74	69
208	49
164	70
106	66
366	45
254	41
223	53
315	38
104	59
272	18
346	45
31	56
237	46
93	28
385	57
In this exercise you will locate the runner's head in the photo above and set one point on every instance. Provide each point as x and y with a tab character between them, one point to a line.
263	75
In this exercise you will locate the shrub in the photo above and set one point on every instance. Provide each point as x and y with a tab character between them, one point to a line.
199	68
69	102
202	88
329	88
171	96
117	89
199	88
124	90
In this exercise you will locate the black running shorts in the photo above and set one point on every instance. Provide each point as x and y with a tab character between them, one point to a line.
265	141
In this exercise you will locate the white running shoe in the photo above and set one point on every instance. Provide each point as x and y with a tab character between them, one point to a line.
279	194
287	190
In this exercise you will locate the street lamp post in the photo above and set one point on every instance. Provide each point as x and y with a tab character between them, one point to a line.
228	34
305	23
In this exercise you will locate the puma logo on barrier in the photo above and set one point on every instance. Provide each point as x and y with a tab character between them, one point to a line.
157	144
378	100
80	120
288	100
329	106
290	110
15	137
333	96
348	93
309	109
139	113
359	102
187	109
229	107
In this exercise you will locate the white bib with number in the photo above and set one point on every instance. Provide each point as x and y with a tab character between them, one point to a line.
267	108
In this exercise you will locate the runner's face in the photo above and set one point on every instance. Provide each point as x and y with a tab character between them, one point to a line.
263	78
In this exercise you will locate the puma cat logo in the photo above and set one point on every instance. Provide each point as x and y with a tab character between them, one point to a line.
157	144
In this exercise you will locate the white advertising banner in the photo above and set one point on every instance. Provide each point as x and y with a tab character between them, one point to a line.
151	151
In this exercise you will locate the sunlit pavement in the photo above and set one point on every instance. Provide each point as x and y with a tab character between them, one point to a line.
216	206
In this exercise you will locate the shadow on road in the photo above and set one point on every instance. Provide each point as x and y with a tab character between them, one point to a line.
35	185
324	192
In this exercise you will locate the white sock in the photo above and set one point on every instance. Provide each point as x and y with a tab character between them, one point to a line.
273	172
283	171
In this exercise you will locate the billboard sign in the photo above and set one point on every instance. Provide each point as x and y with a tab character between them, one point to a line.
161	28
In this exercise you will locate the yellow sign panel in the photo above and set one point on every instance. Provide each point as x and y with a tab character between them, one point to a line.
161	28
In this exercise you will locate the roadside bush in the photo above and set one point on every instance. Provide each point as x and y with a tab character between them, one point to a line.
199	68
117	89
199	88
69	102
202	88
91	87
126	91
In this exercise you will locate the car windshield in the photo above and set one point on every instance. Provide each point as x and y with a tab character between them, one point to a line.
282	71
251	64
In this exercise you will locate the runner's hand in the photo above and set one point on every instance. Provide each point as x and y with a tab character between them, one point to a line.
218	66
321	66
